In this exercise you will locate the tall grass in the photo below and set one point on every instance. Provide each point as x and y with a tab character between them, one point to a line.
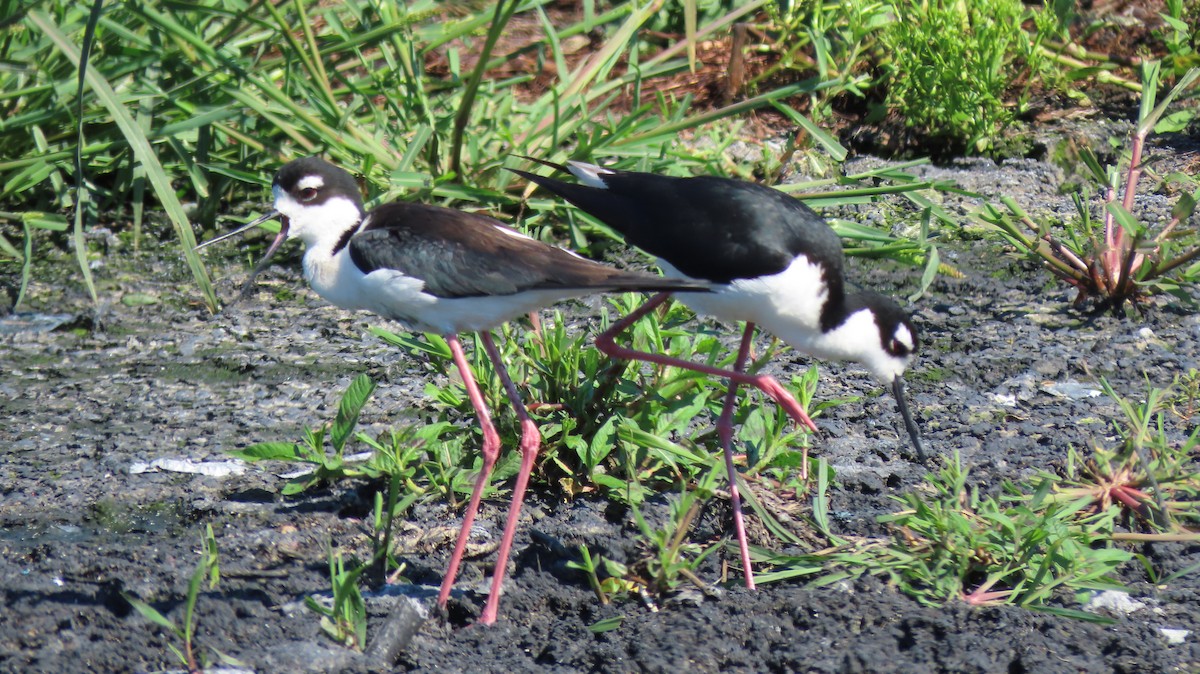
197	102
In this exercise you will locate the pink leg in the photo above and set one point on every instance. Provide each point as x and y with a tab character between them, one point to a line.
725	432
768	385
531	440
491	450
605	342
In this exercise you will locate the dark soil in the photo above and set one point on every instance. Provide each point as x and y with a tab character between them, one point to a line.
1004	381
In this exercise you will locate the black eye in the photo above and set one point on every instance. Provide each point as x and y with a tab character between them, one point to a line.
897	348
308	194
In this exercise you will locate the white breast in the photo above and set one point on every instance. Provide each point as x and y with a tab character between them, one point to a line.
787	304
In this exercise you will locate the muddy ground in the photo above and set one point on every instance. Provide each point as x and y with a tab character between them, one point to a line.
1010	380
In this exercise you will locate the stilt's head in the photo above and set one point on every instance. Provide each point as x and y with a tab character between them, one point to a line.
892	345
318	201
314	201
889	341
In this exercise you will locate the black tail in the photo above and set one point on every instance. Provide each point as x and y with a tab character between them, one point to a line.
613	209
638	282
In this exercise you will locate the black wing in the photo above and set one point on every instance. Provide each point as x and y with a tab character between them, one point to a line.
459	254
707	227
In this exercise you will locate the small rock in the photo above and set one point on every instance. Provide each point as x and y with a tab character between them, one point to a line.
1005	399
1174	636
1071	389
1114	601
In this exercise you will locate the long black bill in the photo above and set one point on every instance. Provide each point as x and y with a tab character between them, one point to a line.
241	230
913	431
262	264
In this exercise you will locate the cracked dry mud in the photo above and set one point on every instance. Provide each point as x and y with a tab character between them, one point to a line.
1007	370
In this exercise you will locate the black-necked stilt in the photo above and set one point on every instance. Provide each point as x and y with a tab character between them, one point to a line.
773	262
438	270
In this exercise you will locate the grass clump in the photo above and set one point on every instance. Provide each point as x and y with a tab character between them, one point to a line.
955	67
1035	544
612	427
1152	478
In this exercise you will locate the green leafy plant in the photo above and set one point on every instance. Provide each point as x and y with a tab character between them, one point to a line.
1117	260
832	42
1179	36
398	461
345	621
208	567
327	467
950	543
613	582
413	462
953	67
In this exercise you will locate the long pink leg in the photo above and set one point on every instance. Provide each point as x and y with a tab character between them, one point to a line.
531	440
725	432
768	385
491	450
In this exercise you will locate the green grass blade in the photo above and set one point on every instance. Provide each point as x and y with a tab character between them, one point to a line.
81	192
504	12
152	614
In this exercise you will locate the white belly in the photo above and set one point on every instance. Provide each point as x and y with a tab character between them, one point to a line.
400	298
787	304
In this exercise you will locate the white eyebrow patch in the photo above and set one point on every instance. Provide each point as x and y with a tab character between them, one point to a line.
315	182
904	336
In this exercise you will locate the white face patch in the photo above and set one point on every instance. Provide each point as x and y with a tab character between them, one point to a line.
318	225
314	182
904	336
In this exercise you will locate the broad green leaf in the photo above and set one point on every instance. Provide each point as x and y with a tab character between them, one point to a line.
274	451
351	406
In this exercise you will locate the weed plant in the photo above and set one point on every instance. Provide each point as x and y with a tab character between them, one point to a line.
1152	478
669	557
345	618
1035	541
209	567
953	68
1117	259
957	75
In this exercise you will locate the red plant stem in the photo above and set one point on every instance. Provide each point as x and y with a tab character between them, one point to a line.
1135	169
1065	253
1108	257
1137	493
1167	230
1121	494
1115	234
